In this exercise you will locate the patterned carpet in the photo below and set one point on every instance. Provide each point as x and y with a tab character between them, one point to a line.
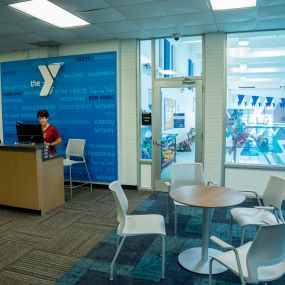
39	250
139	262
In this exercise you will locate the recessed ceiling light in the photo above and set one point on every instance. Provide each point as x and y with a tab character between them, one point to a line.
50	13
243	42
231	4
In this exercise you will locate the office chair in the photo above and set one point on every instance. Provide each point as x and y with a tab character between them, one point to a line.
135	225
260	260
269	212
75	149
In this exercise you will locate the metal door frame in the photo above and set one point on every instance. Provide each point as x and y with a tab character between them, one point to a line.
156	121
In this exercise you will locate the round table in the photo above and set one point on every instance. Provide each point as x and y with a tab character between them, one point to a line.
206	197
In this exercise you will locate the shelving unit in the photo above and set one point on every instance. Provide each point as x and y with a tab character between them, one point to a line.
168	149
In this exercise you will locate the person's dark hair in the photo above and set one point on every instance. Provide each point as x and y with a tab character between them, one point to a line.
42	113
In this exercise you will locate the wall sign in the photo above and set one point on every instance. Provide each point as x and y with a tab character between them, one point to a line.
80	94
179	120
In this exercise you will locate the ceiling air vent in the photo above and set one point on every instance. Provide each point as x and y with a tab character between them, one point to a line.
246	87
46	44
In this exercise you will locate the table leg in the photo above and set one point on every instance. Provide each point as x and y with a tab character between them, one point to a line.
197	259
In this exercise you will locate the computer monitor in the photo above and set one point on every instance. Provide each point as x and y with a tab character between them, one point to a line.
29	133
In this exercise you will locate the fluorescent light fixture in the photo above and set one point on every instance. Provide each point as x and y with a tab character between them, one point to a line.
243	69
167	72
50	13
232	4
247	53
243	43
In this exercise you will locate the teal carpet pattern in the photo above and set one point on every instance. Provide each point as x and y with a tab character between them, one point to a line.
139	261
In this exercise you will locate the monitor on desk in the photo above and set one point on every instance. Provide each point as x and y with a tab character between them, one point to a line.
29	133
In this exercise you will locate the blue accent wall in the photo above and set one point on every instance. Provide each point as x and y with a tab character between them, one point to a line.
82	104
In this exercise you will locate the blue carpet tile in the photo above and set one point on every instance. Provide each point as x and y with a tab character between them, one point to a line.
139	261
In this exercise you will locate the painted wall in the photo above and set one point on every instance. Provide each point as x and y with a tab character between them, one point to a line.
126	65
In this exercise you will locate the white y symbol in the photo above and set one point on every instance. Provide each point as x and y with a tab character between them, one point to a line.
48	73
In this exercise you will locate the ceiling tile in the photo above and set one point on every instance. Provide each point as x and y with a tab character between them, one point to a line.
118	27
197	30
8	15
271	2
32	25
141	11
184	6
271	24
155	23
82	5
133	35
237	15
271	12
28	38
236	27
193	19
6	30
115	3
90	30
101	16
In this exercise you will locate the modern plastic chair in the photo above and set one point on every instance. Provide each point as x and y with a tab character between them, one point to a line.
135	225
260	260
269	212
183	174
75	149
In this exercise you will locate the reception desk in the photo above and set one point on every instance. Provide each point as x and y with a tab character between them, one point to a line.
28	181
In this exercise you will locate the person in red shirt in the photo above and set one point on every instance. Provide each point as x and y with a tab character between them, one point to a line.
50	133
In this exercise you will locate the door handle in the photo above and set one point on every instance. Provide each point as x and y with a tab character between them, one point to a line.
156	142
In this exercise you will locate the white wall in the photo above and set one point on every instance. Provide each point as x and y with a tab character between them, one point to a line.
215	90
126	90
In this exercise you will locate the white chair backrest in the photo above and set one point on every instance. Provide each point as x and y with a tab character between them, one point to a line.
268	248
75	147
274	193
121	202
186	173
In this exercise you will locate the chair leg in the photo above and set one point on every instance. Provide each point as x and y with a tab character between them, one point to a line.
115	257
88	176
231	230
210	271
167	209
175	221
242	236
163	258
70	182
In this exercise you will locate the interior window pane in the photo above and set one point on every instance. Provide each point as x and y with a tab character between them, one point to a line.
255	117
178	58
146	99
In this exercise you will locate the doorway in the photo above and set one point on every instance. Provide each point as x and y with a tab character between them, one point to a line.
177	126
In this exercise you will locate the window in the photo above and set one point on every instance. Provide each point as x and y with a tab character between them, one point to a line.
146	99
255	115
178	58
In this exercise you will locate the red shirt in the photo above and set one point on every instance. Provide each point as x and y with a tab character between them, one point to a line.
50	135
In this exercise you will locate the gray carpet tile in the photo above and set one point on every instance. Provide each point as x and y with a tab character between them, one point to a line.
39	250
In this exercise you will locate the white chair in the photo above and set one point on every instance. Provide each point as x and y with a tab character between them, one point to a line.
260	260
135	225
183	174
269	212
75	155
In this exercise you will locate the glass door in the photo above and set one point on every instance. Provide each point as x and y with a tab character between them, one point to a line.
177	126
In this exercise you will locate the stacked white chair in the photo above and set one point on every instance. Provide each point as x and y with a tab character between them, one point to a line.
135	225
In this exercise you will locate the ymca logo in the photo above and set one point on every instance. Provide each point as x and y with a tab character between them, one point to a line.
49	73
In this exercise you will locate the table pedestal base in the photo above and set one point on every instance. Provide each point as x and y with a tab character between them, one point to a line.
190	259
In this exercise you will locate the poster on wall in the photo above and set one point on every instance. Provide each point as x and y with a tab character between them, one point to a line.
80	94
